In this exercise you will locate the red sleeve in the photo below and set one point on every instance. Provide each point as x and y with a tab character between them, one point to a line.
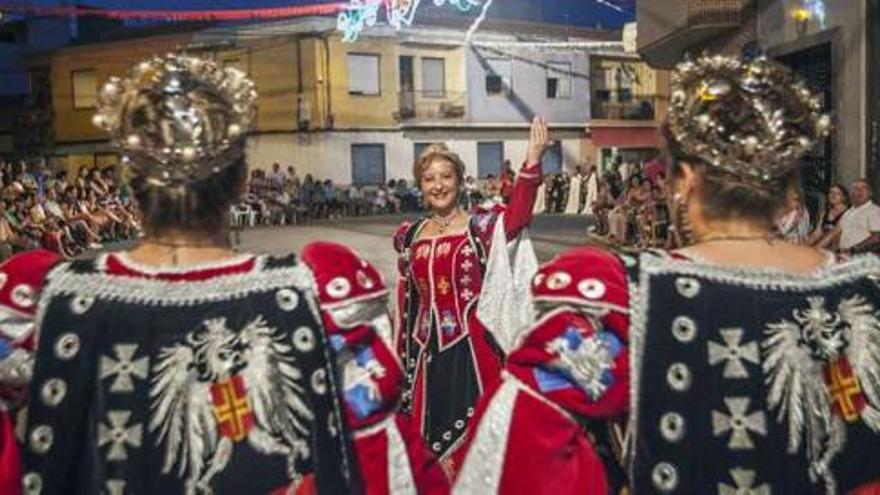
583	298
21	280
352	299
522	200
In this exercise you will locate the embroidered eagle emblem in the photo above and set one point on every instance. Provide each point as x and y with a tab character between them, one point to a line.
221	387
798	353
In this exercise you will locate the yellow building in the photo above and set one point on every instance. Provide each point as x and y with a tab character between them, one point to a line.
629	101
318	95
361	112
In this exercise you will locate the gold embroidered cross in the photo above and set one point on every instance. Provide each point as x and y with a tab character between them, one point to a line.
443	286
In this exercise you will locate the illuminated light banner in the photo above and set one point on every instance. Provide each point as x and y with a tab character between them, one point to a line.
360	14
174	15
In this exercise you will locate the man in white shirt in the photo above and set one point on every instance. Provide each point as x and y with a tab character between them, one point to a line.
860	225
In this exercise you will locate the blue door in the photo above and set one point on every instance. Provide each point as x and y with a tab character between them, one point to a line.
553	159
489	158
367	164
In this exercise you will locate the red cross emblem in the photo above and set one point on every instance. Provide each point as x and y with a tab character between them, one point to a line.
845	391
231	408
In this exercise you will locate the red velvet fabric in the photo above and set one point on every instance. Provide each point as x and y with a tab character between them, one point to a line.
21	279
547	453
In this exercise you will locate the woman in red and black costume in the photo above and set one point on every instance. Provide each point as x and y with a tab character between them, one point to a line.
746	364
449	355
180	366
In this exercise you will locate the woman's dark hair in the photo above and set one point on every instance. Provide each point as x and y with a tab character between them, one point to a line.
843	191
200	206
726	196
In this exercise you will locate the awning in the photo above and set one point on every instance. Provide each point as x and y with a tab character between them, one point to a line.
625	137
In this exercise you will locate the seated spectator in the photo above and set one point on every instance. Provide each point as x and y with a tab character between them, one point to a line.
471	196
794	223
859	228
602	206
394	202
826	234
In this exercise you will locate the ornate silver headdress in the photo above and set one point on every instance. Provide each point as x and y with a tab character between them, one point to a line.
176	118
752	119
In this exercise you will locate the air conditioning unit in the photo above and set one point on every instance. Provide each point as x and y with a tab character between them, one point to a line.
451	111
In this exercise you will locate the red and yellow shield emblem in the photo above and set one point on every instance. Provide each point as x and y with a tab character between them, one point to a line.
845	390
231	408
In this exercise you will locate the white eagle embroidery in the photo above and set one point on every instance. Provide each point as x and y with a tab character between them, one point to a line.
184	407
795	355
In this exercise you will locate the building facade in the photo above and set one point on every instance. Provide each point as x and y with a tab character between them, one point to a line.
362	112
826	41
629	101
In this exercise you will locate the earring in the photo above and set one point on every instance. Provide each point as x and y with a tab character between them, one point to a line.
683	227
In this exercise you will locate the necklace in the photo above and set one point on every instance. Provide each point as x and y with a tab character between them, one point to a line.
175	246
769	238
443	223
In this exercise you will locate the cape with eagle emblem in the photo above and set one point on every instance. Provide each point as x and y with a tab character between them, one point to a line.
753	379
219	379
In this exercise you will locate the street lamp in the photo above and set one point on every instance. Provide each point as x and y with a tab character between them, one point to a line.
802	16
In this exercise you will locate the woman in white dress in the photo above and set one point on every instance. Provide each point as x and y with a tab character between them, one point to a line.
573	206
592	185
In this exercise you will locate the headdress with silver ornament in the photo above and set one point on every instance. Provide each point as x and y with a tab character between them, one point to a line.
177	119
753	119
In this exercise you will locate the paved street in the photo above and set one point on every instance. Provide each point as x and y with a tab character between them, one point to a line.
371	237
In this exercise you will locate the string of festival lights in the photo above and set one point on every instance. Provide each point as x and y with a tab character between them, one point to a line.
352	17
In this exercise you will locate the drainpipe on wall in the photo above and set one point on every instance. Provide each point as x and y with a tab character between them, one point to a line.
329	120
302	123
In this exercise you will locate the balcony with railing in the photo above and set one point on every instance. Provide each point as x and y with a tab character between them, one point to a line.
430	106
632	108
715	12
668	28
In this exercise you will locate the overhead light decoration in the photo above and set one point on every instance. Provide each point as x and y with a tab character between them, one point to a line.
802	14
809	10
360	14
818	9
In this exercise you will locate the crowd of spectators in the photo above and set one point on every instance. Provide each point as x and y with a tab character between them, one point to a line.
280	196
65	214
848	221
628	207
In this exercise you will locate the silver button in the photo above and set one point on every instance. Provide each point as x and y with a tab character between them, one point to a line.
81	304
23	295
665	477
67	346
32	483
684	329
672	427
53	392
304	339
591	288
287	299
338	288
41	439
319	381
558	280
679	377
687	287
